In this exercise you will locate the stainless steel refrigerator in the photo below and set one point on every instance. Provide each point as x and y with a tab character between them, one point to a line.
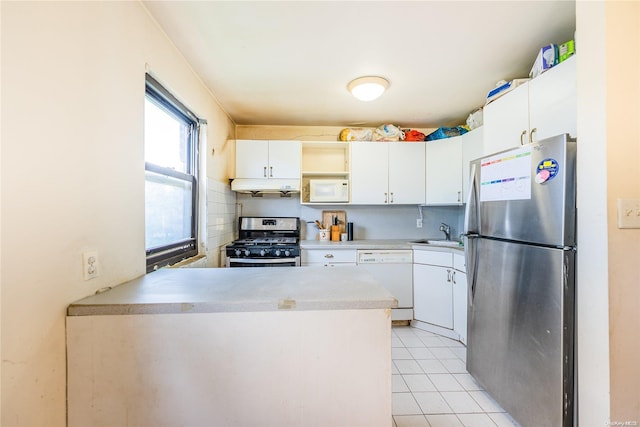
520	237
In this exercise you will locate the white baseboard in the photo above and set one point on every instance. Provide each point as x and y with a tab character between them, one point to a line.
449	333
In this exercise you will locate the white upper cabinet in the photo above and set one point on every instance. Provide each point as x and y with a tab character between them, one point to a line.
267	159
541	108
387	173
448	167
251	158
472	148
369	173
506	120
444	171
553	102
406	173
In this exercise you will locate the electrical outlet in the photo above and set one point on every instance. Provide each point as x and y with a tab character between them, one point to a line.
419	223
628	213
90	265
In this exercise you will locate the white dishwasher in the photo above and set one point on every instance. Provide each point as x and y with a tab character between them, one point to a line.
395	271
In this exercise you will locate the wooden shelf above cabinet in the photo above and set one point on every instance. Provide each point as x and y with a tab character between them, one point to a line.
326	158
325	174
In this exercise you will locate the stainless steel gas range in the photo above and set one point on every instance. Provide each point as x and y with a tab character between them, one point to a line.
265	242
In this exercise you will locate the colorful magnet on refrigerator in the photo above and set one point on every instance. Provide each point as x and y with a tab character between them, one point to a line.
546	170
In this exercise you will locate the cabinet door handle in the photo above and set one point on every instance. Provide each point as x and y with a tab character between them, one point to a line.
264	172
459	196
385	197
522	140
270	171
328	256
448	275
531	135
453	277
391	201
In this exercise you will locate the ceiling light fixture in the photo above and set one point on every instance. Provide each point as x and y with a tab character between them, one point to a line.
368	88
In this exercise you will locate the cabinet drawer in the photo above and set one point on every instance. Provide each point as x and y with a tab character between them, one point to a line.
329	264
441	258
459	262
328	255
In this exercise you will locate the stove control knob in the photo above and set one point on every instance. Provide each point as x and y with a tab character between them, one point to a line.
238	252
287	253
277	252
246	252
262	252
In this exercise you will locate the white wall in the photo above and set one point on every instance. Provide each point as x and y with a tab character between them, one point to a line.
221	217
623	181
592	282
0	226
72	174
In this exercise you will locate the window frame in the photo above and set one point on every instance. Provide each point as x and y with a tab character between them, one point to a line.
164	255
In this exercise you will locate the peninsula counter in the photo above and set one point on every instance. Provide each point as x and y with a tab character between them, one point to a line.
233	347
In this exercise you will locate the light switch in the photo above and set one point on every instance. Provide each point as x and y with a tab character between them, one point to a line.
628	213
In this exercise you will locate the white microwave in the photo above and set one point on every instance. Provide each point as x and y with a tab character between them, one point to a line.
329	190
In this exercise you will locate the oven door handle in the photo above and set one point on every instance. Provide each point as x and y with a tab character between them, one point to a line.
262	260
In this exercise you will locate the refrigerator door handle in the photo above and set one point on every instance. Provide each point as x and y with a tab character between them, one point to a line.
471	228
471	208
471	257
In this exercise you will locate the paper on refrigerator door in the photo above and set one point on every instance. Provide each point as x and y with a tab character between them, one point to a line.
506	176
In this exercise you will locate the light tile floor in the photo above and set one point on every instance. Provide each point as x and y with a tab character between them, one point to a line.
432	388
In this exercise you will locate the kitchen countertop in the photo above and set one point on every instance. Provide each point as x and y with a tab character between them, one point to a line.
368	244
210	290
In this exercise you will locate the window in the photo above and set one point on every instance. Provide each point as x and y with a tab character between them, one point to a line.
171	187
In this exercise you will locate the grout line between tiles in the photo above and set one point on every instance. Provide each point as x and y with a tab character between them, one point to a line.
410	364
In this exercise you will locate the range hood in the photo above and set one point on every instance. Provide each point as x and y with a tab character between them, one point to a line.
272	185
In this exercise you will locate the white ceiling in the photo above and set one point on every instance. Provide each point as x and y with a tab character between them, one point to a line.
288	63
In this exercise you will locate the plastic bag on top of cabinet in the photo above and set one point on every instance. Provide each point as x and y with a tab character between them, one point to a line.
414	135
445	132
355	134
475	119
388	132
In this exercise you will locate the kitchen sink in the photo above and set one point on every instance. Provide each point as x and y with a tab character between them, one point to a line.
437	242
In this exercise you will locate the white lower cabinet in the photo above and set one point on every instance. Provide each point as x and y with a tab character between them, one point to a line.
460	297
433	293
328	257
440	292
432	287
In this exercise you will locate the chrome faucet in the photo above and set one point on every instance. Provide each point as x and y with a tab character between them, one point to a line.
447	231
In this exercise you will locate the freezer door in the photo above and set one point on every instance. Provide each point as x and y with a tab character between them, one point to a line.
528	194
521	329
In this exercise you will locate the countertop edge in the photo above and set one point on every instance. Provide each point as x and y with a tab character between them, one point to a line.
369	244
200	308
220	290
